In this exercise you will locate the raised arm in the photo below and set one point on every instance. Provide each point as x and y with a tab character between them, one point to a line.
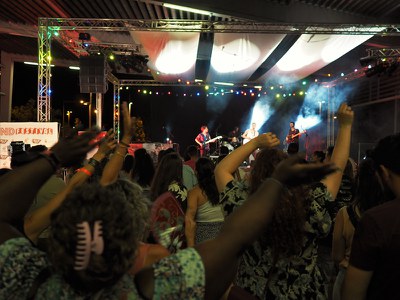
341	151
111	170
39	219
226	168
19	187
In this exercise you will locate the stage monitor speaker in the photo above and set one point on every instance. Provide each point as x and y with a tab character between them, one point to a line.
92	74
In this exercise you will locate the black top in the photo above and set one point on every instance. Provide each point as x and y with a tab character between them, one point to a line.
291	138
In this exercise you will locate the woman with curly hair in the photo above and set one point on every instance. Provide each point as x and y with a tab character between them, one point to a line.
282	263
204	216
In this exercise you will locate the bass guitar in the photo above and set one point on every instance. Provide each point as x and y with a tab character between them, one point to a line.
290	137
210	141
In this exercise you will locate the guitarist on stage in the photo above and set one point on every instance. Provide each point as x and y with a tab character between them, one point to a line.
292	139
203	139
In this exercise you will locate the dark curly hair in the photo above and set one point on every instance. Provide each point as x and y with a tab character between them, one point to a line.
92	202
285	233
168	170
141	205
205	176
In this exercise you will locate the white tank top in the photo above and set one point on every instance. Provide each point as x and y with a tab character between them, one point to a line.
251	134
207	213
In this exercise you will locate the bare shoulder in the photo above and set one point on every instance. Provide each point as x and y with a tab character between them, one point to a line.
195	191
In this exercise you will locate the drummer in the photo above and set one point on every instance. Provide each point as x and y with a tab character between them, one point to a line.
234	137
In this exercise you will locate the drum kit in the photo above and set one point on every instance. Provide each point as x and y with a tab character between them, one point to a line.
231	143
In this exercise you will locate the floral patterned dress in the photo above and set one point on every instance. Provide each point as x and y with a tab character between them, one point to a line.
179	276
297	277
180	193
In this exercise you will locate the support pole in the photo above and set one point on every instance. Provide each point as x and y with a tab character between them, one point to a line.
116	126
7	75
99	109
44	72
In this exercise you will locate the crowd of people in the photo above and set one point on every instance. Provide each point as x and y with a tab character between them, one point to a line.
126	227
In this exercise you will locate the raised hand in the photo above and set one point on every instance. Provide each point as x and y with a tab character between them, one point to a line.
267	140
128	123
73	150
345	115
295	170
108	143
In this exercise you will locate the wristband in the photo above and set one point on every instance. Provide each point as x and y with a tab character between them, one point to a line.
124	144
120	154
52	158
94	163
86	171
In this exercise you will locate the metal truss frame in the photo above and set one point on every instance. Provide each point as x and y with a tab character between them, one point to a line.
392	52
169	25
374	53
116	106
134	82
44	74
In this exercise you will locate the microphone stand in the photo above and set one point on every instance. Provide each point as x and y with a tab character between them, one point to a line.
307	144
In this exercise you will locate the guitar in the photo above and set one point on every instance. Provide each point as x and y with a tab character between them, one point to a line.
212	140
203	144
290	137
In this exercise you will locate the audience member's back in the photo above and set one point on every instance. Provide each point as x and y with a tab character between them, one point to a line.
204	214
193	153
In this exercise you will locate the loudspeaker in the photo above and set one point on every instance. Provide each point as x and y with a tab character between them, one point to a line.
92	74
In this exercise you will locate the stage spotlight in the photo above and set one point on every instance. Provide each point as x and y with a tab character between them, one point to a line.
368	60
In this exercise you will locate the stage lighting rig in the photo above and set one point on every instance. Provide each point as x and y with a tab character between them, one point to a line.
380	61
382	66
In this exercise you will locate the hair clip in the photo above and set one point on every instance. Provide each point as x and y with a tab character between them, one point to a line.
86	243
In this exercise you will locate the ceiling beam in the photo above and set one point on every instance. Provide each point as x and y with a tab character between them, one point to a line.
18	29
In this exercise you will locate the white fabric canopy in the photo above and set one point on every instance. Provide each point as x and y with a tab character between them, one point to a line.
311	53
172	55
235	56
